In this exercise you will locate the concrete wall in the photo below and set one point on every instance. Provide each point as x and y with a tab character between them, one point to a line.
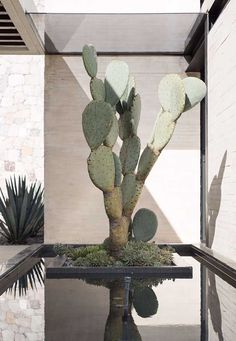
222	133
21	116
74	209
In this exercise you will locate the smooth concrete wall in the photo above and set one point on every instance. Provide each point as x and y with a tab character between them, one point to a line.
222	133
74	209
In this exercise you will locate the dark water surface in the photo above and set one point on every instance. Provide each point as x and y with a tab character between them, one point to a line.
201	308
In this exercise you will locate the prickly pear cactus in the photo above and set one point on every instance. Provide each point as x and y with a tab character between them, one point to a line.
115	111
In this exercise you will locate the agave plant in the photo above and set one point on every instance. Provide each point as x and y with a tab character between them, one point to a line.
22	210
31	279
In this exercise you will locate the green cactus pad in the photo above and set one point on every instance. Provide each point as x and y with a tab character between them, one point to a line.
118	172
129	154
125	125
97	89
101	168
146	162
89	56
97	121
135	112
195	90
113	203
116	79
172	95
145	302
164	129
144	225
132	190
128	96
128	188
113	134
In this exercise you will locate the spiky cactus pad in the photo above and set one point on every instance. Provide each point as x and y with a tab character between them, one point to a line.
90	60
116	80
97	121
101	168
144	225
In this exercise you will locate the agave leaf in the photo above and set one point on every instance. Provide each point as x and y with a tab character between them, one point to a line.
31	279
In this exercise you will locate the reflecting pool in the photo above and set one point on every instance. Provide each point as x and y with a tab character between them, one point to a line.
121	308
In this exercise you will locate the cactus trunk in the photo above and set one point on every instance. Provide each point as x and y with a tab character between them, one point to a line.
119	232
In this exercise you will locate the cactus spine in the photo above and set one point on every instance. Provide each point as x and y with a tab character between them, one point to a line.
117	176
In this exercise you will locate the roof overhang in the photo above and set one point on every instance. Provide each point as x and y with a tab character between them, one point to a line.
17	35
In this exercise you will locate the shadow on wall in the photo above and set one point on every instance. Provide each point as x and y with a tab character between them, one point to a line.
214	201
74	210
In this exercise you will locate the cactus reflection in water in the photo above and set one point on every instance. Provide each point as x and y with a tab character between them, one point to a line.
138	295
117	176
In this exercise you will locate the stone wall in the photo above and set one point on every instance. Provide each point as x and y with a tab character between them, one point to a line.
222	133
21	116
22	318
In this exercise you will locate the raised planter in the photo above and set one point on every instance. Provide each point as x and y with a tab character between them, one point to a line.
56	268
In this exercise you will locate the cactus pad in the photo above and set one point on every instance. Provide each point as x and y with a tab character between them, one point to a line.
113	134
146	162
145	302
97	89
118	172
125	125
164	129
116	79
144	225
172	95
129	154
97	121
128	96
113	203
101	168
89	56
129	206
195	90
128	188
135	113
